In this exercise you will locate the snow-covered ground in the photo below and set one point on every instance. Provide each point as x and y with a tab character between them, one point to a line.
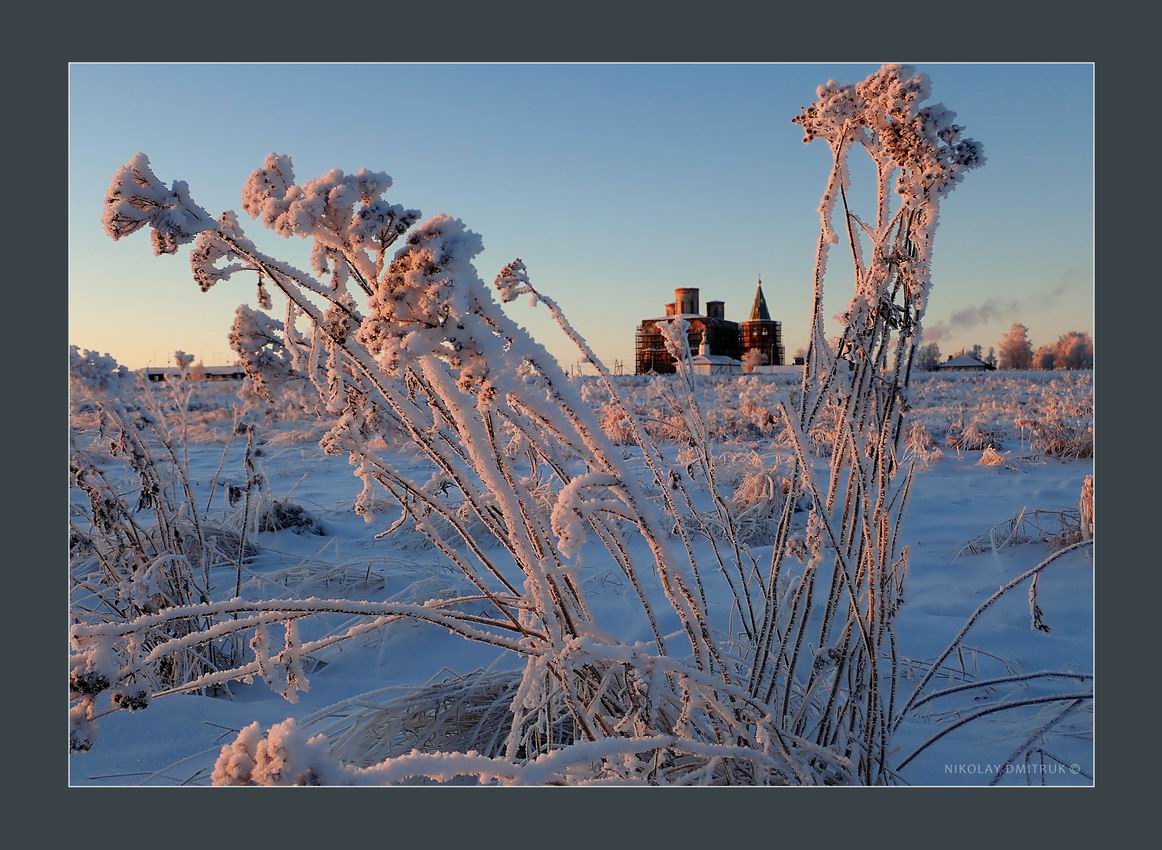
955	500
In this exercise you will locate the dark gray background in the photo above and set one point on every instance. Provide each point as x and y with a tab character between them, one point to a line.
40	43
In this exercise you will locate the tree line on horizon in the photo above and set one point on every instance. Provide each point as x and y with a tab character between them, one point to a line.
1072	350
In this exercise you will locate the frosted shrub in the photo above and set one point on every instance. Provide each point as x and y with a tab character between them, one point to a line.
283	514
758	500
756	408
920	444
90	369
790	678
615	425
734	409
991	457
139	543
972	438
1062	426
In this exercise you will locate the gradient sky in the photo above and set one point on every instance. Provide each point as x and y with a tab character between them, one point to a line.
615	183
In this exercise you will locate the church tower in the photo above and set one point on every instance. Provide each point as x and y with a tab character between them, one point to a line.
761	332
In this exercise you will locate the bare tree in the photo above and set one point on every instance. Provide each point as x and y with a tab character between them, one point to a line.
928	357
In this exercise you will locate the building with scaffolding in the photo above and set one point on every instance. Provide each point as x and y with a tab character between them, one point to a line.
710	334
761	333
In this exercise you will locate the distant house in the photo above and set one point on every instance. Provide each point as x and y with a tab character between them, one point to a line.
196	373
965	363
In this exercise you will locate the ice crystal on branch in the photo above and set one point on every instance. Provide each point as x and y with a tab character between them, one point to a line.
926	151
344	215
94	370
136	199
513	282
425	297
258	341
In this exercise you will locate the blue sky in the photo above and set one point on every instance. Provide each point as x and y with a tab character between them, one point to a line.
615	183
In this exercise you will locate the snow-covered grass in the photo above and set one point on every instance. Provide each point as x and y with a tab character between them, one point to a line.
1020	408
1039	412
759	545
970	529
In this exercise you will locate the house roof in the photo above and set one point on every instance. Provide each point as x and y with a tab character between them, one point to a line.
716	359
965	361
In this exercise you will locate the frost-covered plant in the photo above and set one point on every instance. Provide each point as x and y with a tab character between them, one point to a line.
397	333
1062	426
758	499
972	438
991	457
139	543
920	445
94	370
435	355
755	409
1054	528
615	425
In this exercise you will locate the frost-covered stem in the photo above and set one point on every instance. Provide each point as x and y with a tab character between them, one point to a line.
1019	678
883	175
448	551
816	340
489	468
391	478
1041	730
543	548
852	239
691	412
161	429
992	709
771	603
798	624
222	463
647	455
250	480
292	607
976	615
798	440
608	536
